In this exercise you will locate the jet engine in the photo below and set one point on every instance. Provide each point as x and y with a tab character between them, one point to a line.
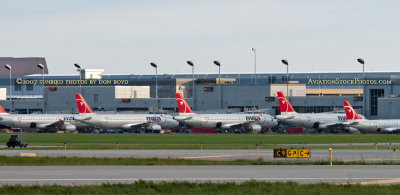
170	123
254	127
154	127
351	129
68	127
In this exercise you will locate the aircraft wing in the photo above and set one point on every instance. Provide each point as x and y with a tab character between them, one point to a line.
82	119
284	117
350	123
237	124
182	117
132	125
390	129
331	125
56	124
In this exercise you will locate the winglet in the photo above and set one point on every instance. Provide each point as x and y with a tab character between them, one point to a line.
83	106
351	114
284	104
2	111
183	106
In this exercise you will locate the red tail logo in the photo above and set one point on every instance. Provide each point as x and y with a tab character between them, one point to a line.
83	106
351	114
2	111
183	106
284	104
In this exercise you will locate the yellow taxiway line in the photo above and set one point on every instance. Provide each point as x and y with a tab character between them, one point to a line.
216	156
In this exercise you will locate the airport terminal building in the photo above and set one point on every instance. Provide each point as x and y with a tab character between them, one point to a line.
34	90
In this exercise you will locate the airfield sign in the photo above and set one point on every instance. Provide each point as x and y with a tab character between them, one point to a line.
279	153
292	153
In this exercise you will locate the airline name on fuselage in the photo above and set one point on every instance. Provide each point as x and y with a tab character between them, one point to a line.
342	118
68	118
253	118
153	118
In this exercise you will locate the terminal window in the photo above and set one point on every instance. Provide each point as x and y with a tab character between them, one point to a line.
17	87
29	87
374	95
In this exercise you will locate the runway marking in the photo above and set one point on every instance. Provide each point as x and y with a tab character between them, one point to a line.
385	181
216	156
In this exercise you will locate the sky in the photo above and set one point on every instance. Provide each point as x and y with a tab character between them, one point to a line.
123	37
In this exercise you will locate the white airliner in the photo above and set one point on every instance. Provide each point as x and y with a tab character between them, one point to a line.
362	124
153	122
40	121
250	122
318	121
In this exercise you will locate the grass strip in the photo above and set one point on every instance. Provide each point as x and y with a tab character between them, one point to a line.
196	139
84	146
209	141
75	161
229	188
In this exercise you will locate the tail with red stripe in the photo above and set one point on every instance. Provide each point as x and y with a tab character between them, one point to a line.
83	106
351	114
284	105
183	106
2	111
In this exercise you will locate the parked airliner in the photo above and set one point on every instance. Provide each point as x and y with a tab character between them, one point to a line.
250	122
40	121
362	124
317	121
153	122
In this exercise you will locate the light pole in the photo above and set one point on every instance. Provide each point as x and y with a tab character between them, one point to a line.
219	81
8	67
156	67
361	61
192	65
40	66
80	77
255	65
285	62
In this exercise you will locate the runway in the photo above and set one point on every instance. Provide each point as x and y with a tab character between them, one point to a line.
85	175
265	154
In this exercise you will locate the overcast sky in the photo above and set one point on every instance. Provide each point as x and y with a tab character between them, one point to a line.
123	37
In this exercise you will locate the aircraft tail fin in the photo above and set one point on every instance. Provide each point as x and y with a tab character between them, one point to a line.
2	111
284	104
83	106
351	114
183	106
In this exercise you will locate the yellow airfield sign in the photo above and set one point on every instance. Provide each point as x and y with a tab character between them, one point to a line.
304	153
292	153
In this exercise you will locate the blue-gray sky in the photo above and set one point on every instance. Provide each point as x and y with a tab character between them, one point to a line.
125	36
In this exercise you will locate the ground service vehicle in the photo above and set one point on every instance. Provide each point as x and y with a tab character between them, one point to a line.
17	140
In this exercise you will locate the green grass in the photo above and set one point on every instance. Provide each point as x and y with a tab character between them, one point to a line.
75	161
229	188
192	141
83	146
